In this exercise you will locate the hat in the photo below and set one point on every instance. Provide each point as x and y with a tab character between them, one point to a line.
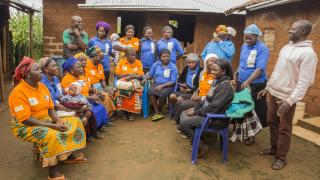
252	29
232	31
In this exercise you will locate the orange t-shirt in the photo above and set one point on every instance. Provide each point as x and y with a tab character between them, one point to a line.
205	82
133	42
68	79
94	73
26	101
124	67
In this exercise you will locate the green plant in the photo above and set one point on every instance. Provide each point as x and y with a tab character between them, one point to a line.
19	26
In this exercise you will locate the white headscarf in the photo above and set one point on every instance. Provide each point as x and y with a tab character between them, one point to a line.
211	55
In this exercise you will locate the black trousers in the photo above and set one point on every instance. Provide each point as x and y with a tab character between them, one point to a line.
181	106
107	76
261	104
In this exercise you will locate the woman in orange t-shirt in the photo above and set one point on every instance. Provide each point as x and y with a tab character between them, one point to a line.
129	90
206	79
128	40
34	120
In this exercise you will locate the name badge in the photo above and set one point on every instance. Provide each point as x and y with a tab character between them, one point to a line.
153	47
124	68
101	72
33	101
135	69
18	108
166	73
210	81
170	46
93	72
202	78
107	48
252	59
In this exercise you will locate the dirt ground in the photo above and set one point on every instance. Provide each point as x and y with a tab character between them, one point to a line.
147	150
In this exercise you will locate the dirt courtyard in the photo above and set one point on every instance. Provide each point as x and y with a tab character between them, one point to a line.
154	150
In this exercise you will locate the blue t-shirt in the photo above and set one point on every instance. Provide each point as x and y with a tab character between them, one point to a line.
162	75
249	65
190	76
148	50
173	45
223	49
106	48
54	87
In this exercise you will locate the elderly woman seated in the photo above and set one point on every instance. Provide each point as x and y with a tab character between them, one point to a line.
129	90
206	79
34	120
188	81
217	101
164	73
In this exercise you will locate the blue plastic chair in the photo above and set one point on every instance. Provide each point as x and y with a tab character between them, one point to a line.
144	98
204	128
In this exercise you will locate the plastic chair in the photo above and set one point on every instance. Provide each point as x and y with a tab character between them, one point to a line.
204	128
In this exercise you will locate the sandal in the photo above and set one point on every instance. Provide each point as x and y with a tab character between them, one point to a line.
157	117
103	129
267	152
131	117
250	141
91	139
278	164
57	178
77	160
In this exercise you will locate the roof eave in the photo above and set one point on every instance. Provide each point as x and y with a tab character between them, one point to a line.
135	8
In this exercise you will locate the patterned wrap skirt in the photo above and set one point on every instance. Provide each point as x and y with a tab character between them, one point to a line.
53	145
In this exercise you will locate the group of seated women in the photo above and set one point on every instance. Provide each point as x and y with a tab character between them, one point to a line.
59	118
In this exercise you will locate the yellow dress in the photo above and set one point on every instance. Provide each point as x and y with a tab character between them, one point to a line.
27	102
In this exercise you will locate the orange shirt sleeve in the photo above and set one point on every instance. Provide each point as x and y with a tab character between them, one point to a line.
101	71
139	66
119	67
19	106
46	91
135	43
65	82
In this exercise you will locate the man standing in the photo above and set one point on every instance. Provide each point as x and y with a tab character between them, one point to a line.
293	74
75	39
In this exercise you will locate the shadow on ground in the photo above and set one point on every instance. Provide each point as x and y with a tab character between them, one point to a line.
146	150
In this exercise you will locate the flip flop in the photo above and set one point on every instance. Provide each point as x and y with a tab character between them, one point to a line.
77	160
278	164
57	178
157	117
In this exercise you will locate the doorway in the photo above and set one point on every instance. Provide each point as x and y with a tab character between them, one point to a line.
137	19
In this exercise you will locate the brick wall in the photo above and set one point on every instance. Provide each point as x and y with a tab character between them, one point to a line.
280	19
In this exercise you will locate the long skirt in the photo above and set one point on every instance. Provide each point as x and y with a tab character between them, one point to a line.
54	145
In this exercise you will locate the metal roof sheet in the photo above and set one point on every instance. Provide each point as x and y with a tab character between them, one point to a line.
208	6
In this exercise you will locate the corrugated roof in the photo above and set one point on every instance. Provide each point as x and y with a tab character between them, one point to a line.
208	6
257	4
19	5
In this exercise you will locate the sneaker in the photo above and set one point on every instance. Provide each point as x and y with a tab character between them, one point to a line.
110	124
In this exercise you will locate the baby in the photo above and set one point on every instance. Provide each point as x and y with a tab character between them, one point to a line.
77	102
116	47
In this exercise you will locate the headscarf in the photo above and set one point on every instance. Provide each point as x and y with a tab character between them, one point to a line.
232	31
23	69
103	24
68	64
94	51
252	29
211	55
81	54
222	29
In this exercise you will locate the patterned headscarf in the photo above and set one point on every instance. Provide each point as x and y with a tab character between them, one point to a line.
94	51
103	24
222	29
23	69
81	55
